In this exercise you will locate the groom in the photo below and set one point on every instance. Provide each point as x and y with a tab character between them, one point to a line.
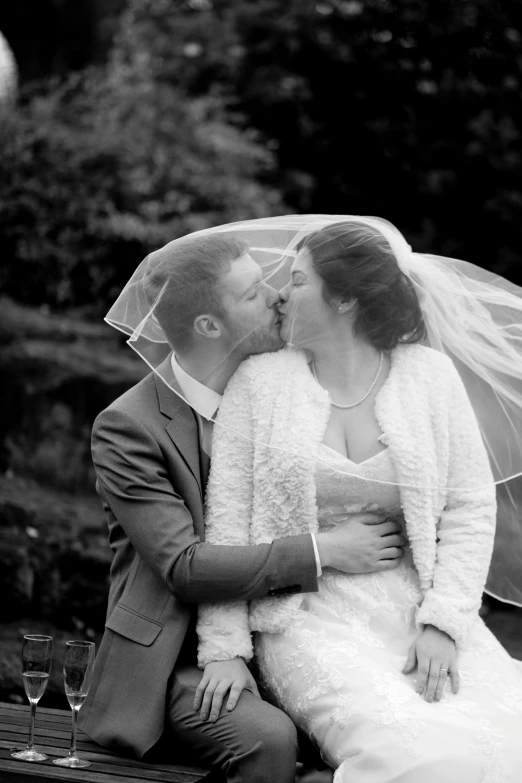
151	451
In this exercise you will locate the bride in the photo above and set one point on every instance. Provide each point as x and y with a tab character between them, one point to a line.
392	674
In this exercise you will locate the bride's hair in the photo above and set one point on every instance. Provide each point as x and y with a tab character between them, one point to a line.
182	281
355	261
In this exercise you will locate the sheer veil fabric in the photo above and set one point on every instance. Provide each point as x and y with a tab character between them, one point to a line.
471	314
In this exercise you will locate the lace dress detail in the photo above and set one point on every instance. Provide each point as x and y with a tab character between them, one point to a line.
337	670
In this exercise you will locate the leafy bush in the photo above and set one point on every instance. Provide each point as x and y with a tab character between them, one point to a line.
100	170
398	108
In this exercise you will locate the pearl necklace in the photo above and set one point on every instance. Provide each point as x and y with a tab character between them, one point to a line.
355	404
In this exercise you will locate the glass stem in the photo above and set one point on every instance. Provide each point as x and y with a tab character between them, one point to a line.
72	751
30	744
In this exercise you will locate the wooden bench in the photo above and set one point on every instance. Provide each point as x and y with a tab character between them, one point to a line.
52	736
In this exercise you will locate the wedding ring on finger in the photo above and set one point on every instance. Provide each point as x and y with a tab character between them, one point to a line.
441	683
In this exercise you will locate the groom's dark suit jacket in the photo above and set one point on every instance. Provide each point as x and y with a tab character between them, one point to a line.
151	475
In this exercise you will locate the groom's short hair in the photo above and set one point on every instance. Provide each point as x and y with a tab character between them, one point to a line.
183	280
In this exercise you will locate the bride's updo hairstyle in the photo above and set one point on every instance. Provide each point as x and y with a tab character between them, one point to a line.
355	261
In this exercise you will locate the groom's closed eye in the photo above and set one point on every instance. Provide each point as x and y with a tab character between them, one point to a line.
253	289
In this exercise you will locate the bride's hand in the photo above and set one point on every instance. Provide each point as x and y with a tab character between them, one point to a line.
220	677
436	656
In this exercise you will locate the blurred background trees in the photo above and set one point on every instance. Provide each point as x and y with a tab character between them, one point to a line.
399	108
105	168
138	121
108	162
142	120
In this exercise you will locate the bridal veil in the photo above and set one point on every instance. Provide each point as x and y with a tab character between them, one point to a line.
470	314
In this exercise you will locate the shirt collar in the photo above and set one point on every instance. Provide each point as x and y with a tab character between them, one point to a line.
205	401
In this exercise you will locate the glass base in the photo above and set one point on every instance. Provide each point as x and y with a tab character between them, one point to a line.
72	761
29	754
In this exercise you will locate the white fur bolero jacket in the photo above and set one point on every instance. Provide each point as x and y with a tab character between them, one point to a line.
261	484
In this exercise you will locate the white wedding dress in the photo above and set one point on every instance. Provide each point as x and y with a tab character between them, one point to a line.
337	669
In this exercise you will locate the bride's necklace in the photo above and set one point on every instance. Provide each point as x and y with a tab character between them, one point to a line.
355	404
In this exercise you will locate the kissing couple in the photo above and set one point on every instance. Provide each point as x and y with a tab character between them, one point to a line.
301	496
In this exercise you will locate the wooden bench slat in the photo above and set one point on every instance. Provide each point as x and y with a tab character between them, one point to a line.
47	731
99	764
21	715
17	736
20	723
41	720
8	744
97	752
20	740
39	731
159	772
23	725
27	772
52	736
25	708
40	726
45	768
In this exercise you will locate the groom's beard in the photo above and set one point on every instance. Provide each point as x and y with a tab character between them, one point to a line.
261	340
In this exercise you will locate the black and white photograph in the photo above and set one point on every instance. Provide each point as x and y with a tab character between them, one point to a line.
261	391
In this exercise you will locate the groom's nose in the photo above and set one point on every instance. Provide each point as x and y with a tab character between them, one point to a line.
273	297
283	293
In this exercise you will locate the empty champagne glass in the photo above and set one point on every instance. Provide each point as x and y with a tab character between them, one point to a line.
37	655
77	675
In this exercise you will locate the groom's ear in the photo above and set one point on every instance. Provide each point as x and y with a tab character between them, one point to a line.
207	326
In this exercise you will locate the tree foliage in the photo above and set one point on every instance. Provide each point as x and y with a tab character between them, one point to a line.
100	170
399	108
216	110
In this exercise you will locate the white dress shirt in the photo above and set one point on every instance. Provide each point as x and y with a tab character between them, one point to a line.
205	402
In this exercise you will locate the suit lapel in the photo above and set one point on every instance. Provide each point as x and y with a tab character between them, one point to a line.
182	427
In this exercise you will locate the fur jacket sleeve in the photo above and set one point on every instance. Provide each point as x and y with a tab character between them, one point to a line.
223	628
465	528
273	417
269	426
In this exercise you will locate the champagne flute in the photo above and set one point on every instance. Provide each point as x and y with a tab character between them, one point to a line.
77	675
37	654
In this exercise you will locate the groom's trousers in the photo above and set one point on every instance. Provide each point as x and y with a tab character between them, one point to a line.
254	743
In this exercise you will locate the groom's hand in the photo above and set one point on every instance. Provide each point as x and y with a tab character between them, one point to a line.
362	543
220	678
